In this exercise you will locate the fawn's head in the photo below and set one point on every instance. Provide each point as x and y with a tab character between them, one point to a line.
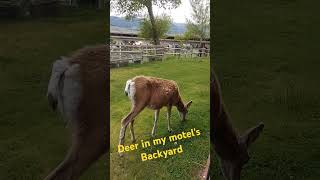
183	110
232	168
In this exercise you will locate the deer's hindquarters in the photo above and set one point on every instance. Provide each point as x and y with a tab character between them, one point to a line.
78	87
64	89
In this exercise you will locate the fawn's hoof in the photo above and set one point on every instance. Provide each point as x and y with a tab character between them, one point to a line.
121	154
170	130
133	140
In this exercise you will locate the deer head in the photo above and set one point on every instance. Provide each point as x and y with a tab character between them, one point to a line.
184	110
232	168
231	148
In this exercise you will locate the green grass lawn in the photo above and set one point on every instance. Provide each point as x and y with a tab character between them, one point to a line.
267	59
33	139
192	76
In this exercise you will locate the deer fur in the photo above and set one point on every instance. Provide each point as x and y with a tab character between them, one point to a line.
78	87
231	148
154	93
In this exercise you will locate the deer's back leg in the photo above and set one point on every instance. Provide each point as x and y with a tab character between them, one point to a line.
128	119
133	138
86	148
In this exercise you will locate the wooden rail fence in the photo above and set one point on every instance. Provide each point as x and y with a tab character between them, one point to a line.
122	55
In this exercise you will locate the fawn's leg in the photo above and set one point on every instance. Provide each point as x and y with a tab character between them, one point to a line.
86	148
128	119
168	118
133	138
156	117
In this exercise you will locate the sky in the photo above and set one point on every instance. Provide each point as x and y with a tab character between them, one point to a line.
178	15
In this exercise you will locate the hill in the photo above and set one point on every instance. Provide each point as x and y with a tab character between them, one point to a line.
176	28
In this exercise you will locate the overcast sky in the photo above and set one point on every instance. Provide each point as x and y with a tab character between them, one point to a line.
178	15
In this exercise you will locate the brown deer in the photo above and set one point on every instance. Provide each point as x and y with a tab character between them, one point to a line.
153	93
231	148
78	87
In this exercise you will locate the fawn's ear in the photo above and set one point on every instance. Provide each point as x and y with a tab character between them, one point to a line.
251	134
188	104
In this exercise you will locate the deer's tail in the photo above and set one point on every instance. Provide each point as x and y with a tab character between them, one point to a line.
55	86
129	90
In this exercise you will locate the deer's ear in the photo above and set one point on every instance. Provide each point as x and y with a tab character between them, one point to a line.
188	104
251	134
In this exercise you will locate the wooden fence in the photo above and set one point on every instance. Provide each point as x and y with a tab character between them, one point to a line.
122	55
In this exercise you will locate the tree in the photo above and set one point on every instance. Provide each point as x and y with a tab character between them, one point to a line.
198	27
162	23
133	8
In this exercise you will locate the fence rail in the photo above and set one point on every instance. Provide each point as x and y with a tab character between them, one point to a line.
122	55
